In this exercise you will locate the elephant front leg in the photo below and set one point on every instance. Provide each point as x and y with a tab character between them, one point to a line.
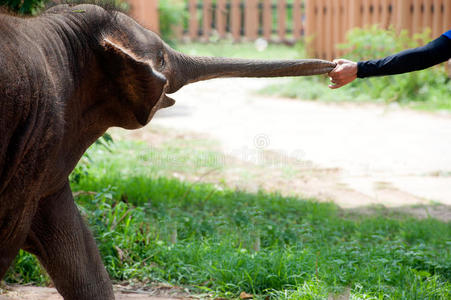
67	250
6	257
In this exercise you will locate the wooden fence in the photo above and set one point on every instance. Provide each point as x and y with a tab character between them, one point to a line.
324	23
329	20
146	13
246	20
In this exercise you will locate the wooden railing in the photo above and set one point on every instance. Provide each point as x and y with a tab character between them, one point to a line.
323	23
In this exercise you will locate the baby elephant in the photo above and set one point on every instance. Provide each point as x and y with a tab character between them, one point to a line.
67	76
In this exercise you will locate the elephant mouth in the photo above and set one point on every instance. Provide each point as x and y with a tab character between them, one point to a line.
165	101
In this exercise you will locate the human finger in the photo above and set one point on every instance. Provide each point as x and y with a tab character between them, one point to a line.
336	86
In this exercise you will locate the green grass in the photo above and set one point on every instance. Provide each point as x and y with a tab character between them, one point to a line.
224	241
435	98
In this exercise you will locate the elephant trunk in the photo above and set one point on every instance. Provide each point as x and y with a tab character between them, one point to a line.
192	68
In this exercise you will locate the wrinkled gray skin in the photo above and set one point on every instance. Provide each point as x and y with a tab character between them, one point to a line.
65	78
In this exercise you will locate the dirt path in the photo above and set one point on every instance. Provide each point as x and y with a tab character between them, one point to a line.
45	293
366	154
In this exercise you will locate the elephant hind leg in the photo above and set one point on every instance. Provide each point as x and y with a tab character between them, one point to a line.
67	250
14	226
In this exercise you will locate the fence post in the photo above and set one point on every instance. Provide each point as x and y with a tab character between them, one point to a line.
207	14
355	13
416	18
385	16
193	25
297	19
221	17
321	25
267	19
145	13
366	17
251	20
376	12
427	13
336	27
282	16
404	18
447	18
235	19
342	20
437	24
327	32
346	14
310	34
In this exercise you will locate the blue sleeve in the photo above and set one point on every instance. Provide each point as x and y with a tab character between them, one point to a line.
437	51
448	34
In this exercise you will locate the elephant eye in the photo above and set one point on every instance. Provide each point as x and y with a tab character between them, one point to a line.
161	58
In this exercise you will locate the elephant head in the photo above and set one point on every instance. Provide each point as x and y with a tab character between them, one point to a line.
146	69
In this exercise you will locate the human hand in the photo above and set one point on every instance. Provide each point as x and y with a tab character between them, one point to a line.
344	73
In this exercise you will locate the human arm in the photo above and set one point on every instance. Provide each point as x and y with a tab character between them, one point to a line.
409	60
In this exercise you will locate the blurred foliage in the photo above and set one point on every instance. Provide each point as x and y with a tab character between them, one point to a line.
25	7
172	13
32	7
121	5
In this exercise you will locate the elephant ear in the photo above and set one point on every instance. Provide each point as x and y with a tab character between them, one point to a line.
139	87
